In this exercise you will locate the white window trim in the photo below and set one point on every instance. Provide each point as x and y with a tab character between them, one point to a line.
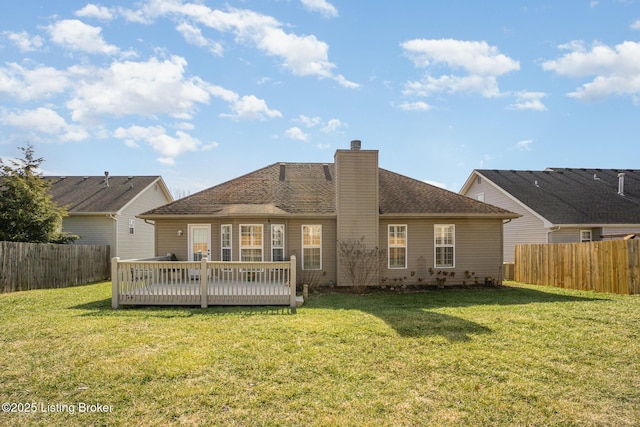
480	196
230	247
283	240
435	246
590	236
405	246
313	246
261	247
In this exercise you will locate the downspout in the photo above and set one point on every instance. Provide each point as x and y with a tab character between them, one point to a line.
114	236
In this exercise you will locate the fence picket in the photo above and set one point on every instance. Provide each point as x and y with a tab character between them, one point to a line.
609	266
25	266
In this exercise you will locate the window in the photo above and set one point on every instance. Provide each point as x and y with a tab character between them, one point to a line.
251	242
132	226
444	242
397	246
480	197
311	247
585	235
225	242
277	242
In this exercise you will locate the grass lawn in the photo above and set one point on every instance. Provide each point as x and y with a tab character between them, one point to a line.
517	355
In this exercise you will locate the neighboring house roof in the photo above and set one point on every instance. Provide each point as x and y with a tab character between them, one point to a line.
309	189
91	195
572	196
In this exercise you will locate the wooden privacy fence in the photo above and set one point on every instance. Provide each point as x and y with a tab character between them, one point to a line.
25	266
609	266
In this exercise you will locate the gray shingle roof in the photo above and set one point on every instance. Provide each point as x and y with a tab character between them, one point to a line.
90	194
574	196
309	188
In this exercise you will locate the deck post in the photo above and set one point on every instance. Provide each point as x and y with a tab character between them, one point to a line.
204	289
292	282
115	283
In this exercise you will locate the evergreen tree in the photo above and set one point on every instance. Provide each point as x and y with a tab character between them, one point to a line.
27	213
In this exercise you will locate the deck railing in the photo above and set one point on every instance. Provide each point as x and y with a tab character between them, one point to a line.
204	283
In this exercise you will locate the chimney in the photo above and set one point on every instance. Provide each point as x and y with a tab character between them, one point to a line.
621	184
357	198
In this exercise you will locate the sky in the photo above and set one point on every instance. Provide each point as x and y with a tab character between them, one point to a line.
202	91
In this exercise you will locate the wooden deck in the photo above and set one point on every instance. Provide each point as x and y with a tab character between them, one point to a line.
203	283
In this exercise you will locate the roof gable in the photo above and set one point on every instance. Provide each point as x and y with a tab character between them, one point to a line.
90	194
573	196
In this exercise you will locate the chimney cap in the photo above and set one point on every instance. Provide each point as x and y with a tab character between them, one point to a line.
356	144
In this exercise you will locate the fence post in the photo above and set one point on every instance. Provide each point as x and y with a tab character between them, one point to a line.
204	289
292	282
115	283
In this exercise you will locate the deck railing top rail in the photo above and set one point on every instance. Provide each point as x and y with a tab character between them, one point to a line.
203	282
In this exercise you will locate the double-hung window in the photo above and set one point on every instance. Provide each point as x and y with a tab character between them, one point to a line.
277	242
585	235
225	242
311	247
397	246
444	243
251	242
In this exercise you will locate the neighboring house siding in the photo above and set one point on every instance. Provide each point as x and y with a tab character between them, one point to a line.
477	249
619	230
141	243
93	230
565	235
527	229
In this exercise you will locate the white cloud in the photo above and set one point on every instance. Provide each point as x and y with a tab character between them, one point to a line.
333	125
76	35
529	101
94	11
308	121
249	107
296	133
194	36
524	145
169	147
302	55
24	41
414	106
322	6
477	58
479	63
615	69
635	25
32	84
142	88
44	121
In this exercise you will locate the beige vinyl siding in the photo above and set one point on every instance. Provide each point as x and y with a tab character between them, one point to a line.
527	229
167	240
477	249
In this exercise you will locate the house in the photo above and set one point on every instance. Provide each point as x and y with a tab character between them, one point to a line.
561	205
103	209
304	209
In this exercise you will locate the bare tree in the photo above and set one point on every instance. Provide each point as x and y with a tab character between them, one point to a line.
361	264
